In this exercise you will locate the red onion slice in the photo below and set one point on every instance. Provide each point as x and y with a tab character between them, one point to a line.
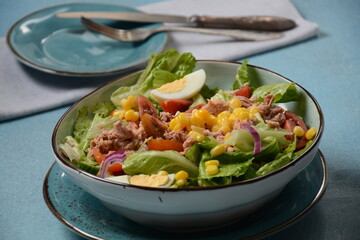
111	159
256	136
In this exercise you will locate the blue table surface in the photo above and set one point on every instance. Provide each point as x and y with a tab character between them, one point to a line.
328	66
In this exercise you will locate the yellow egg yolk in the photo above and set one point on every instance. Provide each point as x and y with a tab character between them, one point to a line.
154	180
174	86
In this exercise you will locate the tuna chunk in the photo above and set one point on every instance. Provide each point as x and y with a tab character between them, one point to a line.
216	106
273	115
178	135
121	137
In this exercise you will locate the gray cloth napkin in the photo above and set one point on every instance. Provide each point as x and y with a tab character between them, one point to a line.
24	91
215	47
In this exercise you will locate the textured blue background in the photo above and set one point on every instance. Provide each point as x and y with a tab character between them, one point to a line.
328	66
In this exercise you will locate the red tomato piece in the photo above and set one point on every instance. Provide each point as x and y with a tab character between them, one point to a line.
115	168
244	91
162	145
153	126
293	120
172	106
146	106
99	157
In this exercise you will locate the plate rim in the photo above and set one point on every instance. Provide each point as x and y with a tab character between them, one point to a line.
267	232
42	68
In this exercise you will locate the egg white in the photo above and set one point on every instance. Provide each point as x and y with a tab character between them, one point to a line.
194	82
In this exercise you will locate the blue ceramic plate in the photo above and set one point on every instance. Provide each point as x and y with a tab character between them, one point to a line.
65	47
85	215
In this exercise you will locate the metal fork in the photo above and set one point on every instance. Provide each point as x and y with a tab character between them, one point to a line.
143	33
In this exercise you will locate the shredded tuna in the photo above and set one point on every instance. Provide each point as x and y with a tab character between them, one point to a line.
245	102
238	122
216	106
218	135
273	115
178	135
188	143
166	117
121	137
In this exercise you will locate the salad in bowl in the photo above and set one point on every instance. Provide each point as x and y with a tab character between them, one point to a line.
189	144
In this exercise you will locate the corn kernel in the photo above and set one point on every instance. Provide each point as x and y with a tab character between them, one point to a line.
204	114
212	170
197	129
181	182
181	175
196	136
183	119
211	121
173	123
212	162
132	100
118	113
199	138
215	128
217	150
225	128
254	109
195	120
310	134
237	110
223	121
243	115
125	104
298	131
232	117
131	115
194	112
177	127
163	173
224	114
227	136
235	103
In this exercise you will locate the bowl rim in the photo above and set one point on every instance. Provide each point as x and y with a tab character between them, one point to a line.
66	162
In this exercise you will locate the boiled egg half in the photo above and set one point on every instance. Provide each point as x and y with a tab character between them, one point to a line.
184	88
153	180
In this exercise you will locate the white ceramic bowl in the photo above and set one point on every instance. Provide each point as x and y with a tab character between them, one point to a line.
190	209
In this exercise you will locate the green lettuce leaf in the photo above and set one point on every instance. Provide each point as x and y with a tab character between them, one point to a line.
244	141
208	143
269	150
71	148
275	164
222	95
197	99
283	92
162	68
82	124
216	181
207	92
241	76
234	164
151	162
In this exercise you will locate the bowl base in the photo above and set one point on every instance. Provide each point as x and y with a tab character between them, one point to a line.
196	222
